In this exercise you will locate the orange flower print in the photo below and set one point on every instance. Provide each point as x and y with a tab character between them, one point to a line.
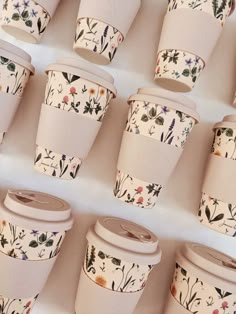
217	153
102	92
173	291
92	91
101	281
4	223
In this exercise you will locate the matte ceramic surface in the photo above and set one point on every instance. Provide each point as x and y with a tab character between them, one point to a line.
15	306
96	41
219	9
113	273
25	244
163	124
179	68
198	296
25	19
214	213
73	94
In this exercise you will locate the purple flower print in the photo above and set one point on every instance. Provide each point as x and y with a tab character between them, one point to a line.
34	13
188	61
17	6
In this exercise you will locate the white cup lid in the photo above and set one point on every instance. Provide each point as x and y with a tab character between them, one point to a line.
210	260
37	205
126	235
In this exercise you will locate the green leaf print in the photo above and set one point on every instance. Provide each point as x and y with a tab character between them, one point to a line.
11	67
29	23
144	118
160	121
186	72
4	60
229	132
33	244
116	261
101	255
49	243
43	238
25	15
15	17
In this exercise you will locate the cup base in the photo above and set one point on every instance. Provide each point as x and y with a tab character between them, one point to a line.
91	56
19	34
173	85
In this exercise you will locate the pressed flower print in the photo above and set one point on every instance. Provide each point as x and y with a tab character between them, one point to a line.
199	297
98	37
178	65
214	213
13	77
136	192
25	244
114	274
26	15
220	9
56	165
159	122
16	306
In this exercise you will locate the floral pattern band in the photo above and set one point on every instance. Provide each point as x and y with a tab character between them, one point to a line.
13	77
98	37
26	15
181	66
25	244
199	297
16	306
163	124
113	273
214	213
73	94
218	9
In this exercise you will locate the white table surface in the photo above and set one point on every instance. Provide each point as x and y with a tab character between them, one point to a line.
174	219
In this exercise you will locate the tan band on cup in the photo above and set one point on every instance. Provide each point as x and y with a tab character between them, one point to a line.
220	179
117	13
8	106
88	290
147	159
173	307
49	5
66	132
23	279
192	31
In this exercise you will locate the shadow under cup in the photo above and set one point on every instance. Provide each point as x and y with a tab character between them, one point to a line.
158	127
33	226
76	99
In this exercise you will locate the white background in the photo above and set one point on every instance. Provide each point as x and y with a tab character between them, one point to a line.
174	219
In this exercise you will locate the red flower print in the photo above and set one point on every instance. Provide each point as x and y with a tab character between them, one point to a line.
158	61
143	285
65	99
4	223
28	311
28	304
225	305
173	291
140	189
140	200
73	90
215	312
120	39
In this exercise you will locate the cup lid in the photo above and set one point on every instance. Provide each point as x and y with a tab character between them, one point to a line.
210	260
172	100
17	54
86	70
25	206
126	239
227	122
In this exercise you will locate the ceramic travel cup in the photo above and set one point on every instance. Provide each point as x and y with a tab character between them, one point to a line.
159	123
204	282
33	226
76	99
119	258
102	26
15	70
218	203
185	48
27	20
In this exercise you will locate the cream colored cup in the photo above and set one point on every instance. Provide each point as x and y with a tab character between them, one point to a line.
27	20
158	126
76	99
15	70
204	282
218	204
183	51
32	228
119	258
101	28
